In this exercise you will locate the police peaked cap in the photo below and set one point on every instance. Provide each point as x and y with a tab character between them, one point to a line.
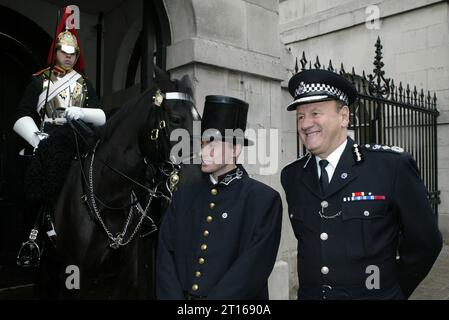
316	85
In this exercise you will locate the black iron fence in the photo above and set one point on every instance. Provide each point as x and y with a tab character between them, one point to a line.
386	113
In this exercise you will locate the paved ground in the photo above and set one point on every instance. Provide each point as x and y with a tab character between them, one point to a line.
436	285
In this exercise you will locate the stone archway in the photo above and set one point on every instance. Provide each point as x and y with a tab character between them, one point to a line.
182	17
129	55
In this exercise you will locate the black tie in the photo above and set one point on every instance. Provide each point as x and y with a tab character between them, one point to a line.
324	178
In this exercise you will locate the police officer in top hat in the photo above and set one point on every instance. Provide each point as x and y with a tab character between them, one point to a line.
364	226
220	236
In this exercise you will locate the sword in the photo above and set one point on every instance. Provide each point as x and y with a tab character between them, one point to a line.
43	110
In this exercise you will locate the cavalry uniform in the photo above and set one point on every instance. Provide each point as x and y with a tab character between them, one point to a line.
371	234
54	95
53	91
67	89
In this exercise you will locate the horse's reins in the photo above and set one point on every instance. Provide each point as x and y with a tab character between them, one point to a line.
163	125
92	151
171	182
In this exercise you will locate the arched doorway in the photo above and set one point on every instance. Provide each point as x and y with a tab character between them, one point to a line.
23	50
143	43
156	29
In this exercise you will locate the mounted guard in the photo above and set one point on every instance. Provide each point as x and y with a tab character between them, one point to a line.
55	95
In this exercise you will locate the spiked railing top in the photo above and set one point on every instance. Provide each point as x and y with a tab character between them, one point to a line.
376	85
379	85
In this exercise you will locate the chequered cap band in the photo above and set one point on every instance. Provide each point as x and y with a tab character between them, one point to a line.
307	88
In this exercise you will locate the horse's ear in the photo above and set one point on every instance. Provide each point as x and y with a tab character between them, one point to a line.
185	85
162	80
160	74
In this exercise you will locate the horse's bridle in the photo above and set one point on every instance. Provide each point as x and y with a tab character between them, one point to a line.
160	129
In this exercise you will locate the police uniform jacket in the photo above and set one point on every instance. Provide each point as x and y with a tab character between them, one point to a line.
371	235
219	241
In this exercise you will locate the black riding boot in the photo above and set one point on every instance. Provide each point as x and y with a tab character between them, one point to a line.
30	252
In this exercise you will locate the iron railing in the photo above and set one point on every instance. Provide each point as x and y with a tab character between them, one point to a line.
386	113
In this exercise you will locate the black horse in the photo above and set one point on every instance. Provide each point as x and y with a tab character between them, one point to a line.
117	193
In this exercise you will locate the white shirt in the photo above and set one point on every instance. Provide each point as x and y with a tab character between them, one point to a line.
212	179
333	159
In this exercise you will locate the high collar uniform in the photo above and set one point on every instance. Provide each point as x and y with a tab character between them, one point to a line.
219	241
79	94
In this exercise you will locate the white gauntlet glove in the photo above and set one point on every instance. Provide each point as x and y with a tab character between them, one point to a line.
27	129
90	115
74	113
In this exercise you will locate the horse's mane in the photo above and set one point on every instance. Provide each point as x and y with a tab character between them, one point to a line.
109	127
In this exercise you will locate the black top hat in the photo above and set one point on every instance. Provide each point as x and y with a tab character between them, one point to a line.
317	85
224	117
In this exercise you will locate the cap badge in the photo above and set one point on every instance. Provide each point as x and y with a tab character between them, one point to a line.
158	98
301	89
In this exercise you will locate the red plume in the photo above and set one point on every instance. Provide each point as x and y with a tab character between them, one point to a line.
80	65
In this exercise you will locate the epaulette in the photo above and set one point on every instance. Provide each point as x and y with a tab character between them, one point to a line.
357	150
379	147
41	72
357	154
307	156
56	69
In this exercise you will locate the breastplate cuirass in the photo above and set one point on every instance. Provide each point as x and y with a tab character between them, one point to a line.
72	96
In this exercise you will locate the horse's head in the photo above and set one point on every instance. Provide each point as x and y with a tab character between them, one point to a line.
150	118
141	130
178	101
173	108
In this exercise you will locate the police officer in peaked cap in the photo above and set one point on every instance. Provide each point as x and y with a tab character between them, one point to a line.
361	216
